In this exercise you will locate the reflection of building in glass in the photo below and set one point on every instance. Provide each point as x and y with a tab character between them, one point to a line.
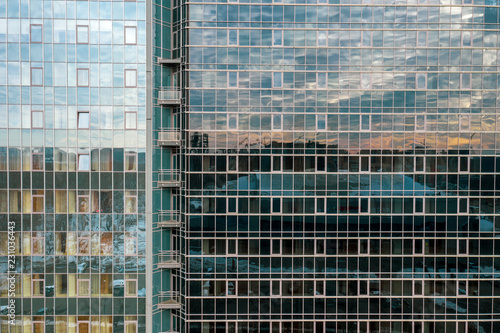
339	168
72	164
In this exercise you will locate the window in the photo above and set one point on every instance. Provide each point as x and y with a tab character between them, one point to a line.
83	200
277	37
130	201
130	161
130	325
83	119
466	38
37	243
463	248
421	38
38	325
131	120
366	81
365	122
232	37
82	77
83	326
321	38
421	81
36	33
130	287
37	159
36	76
82	34
36	119
84	243
38	285
232	79
320	288
83	162
366	39
130	35
83	287
321	122
37	201
278	80
465	80
276	122
463	205
321	80
130	78
130	244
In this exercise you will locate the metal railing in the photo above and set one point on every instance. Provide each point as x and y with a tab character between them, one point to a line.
169	259
169	300
169	218
169	95
169	137
169	178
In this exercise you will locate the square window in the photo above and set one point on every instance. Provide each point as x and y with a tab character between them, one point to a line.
82	77
82	34
83	119
130	78
36	119
83	162
36	33
130	120
130	35
36	76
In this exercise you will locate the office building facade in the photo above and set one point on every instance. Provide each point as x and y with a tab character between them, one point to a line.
272	166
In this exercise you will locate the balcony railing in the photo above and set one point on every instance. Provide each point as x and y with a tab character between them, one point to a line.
169	62
169	259
169	96
169	300
169	178
169	138
169	219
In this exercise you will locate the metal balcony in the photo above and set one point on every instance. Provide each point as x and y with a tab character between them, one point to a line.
170	62
169	178
169	259
169	138
169	300
169	219
169	96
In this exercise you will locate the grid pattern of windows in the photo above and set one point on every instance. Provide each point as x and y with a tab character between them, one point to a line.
341	166
79	218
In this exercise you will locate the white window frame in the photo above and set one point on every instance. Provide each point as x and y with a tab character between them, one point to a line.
31	78
78	281
415	240
128	322
134	77
37	280
318	116
227	206
135	164
462	119
317	206
36	239
125	28
80	39
125	287
365	116
370	80
316	250
415	206
280	199
420	75
130	196
316	284
359	206
275	124
33	196
466	253
235	247
235	283
466	289
79	157
125	122
423	165
278	42
82	73
367	287
279	289
418	118
318	38
458	207
370	34
275	76
422	288
83	322
229	42
36	323
78	202
79	113
31	34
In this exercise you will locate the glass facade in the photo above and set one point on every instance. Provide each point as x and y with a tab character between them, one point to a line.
341	166
72	166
